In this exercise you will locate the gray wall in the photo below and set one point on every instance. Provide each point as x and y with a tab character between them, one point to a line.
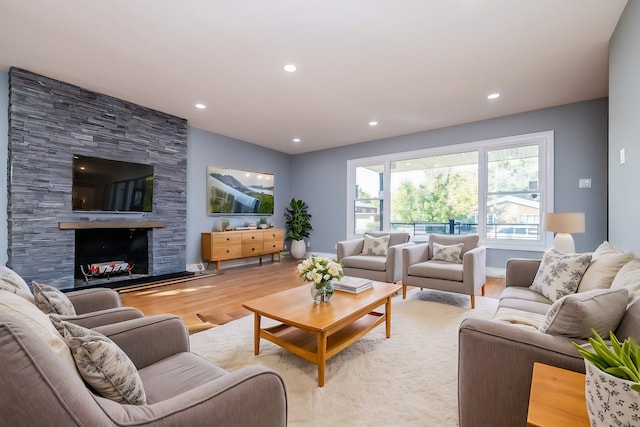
210	149
624	130
580	152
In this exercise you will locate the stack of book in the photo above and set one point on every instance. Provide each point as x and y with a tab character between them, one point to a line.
353	285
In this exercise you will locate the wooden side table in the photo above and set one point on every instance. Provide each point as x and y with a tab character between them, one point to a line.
557	398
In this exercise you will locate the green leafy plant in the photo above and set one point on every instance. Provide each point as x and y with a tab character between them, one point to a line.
262	220
621	360
297	220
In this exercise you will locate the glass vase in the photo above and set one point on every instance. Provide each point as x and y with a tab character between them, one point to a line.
322	291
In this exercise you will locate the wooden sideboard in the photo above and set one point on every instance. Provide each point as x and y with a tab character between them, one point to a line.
221	246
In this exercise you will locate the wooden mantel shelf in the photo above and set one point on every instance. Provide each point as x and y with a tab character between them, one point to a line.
86	225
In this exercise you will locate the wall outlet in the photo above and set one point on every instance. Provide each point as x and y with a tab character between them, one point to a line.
622	156
309	244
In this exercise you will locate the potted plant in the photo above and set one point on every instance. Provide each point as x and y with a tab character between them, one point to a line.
612	380
262	223
298	224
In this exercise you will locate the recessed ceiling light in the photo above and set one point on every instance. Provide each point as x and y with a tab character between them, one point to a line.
290	68
296	139
201	106
373	123
493	96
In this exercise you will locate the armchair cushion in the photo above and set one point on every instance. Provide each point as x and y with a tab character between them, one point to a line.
559	273
38	322
375	245
448	253
103	365
51	300
12	278
574	315
437	270
365	262
469	241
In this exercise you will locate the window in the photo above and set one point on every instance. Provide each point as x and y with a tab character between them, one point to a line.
508	181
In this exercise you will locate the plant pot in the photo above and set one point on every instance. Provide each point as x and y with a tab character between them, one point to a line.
610	400
298	248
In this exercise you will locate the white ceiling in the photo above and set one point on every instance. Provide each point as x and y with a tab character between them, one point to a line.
412	65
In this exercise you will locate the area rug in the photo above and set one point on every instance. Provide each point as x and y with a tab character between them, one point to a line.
407	380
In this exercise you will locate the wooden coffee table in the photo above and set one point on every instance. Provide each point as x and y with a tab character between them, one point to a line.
317	332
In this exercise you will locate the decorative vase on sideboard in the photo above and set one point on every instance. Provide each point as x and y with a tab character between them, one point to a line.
298	248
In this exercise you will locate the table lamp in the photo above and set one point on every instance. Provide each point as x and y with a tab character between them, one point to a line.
564	223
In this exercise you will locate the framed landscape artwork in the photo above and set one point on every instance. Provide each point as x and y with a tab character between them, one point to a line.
239	192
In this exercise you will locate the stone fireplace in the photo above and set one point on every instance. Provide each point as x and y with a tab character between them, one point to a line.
50	122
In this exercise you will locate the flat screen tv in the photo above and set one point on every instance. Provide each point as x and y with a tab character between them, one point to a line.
234	191
111	185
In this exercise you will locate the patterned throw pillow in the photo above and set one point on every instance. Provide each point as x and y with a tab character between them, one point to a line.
375	245
51	300
450	253
103	365
559	273
574	315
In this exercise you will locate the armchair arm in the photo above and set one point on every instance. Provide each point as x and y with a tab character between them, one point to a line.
495	362
349	248
393	265
87	300
104	317
474	268
149	339
250	396
412	255
521	271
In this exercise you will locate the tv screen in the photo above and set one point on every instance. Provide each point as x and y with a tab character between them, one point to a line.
111	185
233	191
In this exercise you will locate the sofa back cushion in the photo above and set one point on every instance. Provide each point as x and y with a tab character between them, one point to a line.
628	277
606	261
469	241
12	278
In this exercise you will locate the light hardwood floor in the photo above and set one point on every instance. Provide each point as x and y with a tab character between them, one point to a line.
214	299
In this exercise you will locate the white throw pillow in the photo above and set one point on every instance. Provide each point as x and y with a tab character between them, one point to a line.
447	253
574	315
50	299
375	245
629	278
103	365
12	278
605	263
559	273
38	322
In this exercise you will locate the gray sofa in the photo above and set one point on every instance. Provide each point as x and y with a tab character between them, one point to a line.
381	268
495	359
38	389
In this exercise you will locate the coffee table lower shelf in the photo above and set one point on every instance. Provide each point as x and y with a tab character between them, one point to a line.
305	344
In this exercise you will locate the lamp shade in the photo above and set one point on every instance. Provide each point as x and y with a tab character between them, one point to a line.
564	222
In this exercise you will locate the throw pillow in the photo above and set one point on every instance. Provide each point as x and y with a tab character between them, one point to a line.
103	365
629	278
574	315
375	245
51	300
559	273
447	253
12	278
38	322
605	263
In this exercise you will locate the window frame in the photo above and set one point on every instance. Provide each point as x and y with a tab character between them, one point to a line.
545	141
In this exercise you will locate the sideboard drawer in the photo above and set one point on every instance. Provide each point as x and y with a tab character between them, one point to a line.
227	238
227	252
252	237
274	235
251	250
275	246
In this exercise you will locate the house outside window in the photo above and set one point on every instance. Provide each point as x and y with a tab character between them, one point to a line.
508	181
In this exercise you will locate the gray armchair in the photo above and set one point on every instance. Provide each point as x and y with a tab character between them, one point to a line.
380	268
38	389
468	277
